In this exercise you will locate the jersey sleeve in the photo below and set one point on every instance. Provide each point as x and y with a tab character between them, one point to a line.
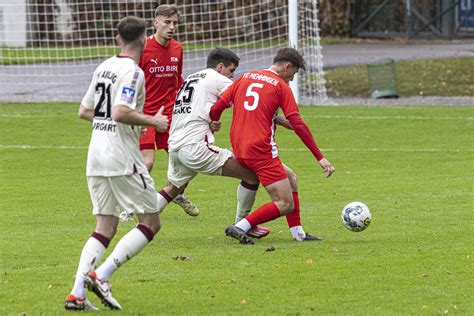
214	90
141	92
128	88
89	98
222	84
287	100
224	102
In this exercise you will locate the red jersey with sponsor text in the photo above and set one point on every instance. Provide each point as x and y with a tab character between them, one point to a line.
257	96
163	67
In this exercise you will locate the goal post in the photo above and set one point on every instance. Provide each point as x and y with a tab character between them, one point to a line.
293	40
50	48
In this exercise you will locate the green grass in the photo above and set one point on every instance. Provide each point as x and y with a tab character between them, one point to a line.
52	54
437	77
33	55
413	166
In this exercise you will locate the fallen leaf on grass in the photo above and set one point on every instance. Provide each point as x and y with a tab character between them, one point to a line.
424	275
270	249
183	258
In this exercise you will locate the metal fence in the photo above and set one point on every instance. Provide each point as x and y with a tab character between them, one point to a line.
412	18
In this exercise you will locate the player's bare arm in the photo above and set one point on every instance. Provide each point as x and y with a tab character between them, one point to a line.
124	114
280	120
85	113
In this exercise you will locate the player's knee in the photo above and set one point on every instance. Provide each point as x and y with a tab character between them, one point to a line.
253	180
293	180
285	206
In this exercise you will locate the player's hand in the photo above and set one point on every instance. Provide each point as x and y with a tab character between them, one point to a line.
161	121
142	131
215	126
327	167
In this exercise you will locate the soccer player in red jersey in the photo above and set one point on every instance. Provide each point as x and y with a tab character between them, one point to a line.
162	63
256	97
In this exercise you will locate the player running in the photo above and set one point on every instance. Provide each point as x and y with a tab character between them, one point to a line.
256	97
162	63
116	173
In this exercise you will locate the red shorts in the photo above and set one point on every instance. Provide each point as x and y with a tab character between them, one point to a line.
268	171
152	138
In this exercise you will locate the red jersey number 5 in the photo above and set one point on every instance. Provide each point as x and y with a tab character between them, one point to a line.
254	94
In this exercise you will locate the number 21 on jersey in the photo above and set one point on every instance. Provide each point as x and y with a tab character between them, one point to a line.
254	94
103	107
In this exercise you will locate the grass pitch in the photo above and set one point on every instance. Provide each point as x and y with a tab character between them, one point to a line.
436	77
413	166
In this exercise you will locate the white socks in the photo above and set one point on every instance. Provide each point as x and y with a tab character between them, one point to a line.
245	200
130	244
244	225
162	201
92	253
298	233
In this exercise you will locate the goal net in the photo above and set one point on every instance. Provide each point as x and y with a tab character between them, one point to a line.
50	48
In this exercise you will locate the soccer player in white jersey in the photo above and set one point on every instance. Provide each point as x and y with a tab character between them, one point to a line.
116	173
191	142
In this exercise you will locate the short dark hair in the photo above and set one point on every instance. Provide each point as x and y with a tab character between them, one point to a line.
131	28
222	55
291	55
167	10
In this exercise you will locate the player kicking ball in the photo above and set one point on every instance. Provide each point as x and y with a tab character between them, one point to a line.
256	98
116	173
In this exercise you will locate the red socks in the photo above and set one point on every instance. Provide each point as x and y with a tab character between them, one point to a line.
263	214
293	218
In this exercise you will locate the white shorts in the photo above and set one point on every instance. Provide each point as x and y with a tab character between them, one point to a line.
134	193
188	161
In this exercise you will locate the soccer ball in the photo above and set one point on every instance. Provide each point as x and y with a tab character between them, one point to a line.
356	216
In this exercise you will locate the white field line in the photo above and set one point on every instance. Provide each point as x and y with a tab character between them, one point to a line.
389	117
26	116
337	117
40	147
409	150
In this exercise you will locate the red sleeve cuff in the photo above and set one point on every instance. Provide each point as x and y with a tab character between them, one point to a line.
217	109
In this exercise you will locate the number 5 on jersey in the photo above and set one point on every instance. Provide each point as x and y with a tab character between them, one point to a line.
254	94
